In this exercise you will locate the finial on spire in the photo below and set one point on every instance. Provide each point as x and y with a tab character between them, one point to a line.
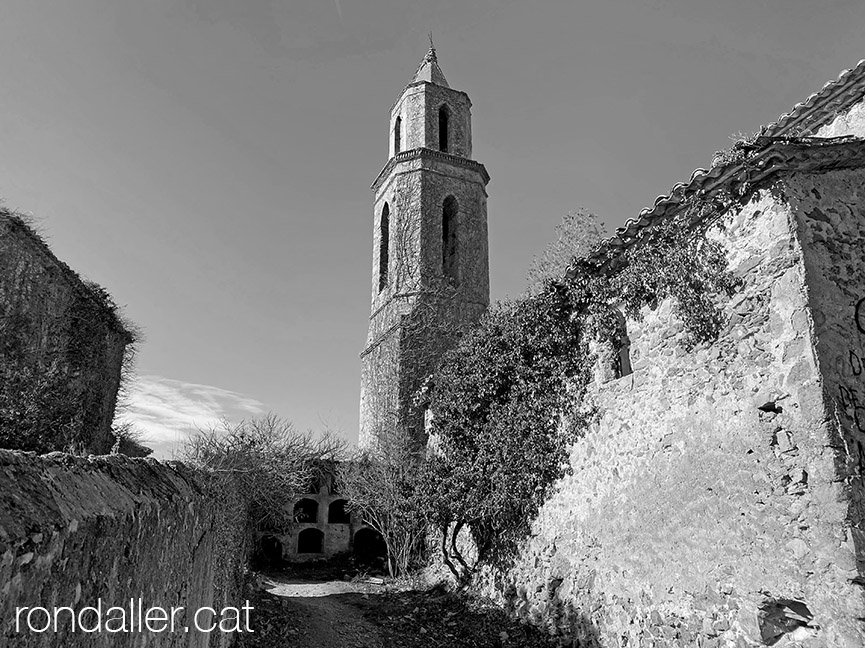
431	55
429	69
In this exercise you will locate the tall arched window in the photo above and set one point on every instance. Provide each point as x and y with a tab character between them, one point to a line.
397	135
383	247
449	238
444	118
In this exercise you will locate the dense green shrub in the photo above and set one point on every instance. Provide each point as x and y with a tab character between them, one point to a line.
503	422
507	400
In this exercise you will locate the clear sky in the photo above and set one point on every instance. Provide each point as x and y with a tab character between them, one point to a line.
209	161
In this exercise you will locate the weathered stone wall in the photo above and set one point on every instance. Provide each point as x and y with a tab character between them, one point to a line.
848	122
415	316
441	180
459	123
62	350
418	107
337	535
708	488
379	387
75	530
410	108
831	210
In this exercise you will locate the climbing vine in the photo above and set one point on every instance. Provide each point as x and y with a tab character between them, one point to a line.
61	343
507	400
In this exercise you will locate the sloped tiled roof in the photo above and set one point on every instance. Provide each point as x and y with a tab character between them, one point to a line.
819	109
783	145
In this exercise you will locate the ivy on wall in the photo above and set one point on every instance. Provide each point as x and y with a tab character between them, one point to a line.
62	347
507	399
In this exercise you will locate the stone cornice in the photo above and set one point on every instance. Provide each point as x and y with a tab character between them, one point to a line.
382	337
430	154
415	84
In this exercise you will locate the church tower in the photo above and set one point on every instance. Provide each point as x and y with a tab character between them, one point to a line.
430	270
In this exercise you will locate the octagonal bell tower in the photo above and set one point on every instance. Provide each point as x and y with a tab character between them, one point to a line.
430	269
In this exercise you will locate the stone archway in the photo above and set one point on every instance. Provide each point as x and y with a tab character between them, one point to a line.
369	546
310	541
270	550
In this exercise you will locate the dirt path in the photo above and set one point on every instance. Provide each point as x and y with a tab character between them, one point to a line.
294	613
324	615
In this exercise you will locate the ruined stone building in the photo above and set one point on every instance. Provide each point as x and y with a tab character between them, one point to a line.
430	275
62	348
719	498
322	527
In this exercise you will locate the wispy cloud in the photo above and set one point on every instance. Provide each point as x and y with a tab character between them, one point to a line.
168	410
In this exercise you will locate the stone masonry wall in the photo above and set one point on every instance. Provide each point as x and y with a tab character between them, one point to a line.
75	530
418	107
415	316
706	495
337	534
833	238
54	327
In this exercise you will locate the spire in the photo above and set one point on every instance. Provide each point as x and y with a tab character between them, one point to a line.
429	69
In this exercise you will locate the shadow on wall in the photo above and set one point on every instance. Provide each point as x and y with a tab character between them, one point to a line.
561	619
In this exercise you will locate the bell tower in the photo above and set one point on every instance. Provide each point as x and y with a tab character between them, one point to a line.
430	270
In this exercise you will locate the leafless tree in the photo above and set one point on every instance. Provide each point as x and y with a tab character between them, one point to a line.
381	488
578	233
266	461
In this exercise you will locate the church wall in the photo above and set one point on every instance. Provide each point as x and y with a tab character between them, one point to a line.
833	237
848	122
402	193
443	180
380	360
410	107
410	331
419	108
707	486
459	128
379	387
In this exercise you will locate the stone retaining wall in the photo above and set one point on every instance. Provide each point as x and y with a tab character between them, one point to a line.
75	530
